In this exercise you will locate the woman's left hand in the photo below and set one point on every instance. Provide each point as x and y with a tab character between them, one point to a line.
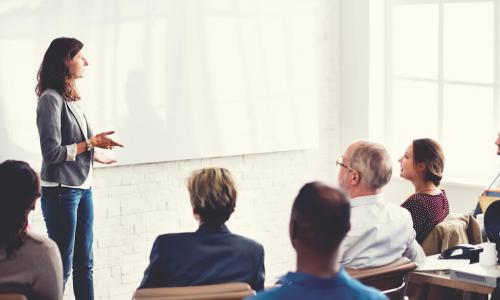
105	161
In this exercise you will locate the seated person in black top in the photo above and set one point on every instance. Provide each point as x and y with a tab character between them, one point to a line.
478	210
212	254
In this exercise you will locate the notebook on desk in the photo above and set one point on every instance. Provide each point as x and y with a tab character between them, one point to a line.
434	264
475	273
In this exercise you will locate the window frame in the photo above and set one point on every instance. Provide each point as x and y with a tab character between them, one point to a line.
390	77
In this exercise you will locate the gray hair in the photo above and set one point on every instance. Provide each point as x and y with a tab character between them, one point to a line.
373	162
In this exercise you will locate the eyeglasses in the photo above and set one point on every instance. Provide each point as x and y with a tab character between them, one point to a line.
340	162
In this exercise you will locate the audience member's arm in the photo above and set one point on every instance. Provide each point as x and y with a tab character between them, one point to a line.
413	250
152	273
48	285
261	272
415	253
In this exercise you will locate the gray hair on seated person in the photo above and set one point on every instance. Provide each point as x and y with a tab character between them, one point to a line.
373	162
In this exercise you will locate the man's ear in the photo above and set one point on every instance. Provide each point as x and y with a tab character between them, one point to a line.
355	179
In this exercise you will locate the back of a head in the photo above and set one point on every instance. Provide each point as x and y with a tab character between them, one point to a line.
19	189
373	162
429	152
320	217
213	194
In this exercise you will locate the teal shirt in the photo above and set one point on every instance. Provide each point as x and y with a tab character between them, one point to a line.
299	285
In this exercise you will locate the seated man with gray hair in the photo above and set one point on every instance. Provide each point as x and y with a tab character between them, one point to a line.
381	231
318	223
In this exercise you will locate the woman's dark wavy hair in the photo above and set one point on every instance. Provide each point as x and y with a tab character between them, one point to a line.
429	152
54	71
19	189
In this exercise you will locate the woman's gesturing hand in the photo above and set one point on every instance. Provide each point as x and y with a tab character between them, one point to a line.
104	161
102	140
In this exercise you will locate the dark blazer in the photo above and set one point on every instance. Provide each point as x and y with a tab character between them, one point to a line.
210	255
58	126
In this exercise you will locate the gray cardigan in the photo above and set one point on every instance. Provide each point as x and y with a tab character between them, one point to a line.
58	126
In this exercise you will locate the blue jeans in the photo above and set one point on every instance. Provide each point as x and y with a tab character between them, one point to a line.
69	217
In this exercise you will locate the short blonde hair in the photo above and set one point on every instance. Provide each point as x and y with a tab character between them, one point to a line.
213	194
373	163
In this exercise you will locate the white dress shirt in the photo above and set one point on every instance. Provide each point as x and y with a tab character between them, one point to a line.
381	232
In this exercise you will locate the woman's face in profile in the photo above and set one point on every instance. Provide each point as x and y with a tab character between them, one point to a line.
408	170
77	66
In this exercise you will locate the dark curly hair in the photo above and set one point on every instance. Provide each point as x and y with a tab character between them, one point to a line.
19	189
54	71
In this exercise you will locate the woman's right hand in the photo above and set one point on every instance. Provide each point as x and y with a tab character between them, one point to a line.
102	140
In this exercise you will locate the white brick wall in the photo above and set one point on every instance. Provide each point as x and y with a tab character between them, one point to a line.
133	204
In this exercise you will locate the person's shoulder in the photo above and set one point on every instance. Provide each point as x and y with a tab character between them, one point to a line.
40	240
174	236
370	293
361	291
269	294
40	247
413	198
248	242
51	94
398	212
393	207
416	202
443	195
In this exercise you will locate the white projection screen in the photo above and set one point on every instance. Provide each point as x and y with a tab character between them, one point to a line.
176	79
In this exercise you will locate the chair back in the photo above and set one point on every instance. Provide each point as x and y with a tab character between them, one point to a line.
225	291
455	229
11	296
390	279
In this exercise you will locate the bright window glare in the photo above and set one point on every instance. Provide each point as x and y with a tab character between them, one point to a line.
415	40
415	111
468	42
466	120
445	89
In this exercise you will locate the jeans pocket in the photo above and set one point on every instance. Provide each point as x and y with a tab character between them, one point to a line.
65	193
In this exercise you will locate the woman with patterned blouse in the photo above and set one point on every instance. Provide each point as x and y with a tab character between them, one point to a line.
423	164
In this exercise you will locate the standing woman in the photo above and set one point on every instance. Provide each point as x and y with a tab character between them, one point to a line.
67	145
423	165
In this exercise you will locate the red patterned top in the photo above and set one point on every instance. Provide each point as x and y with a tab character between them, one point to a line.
426	211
